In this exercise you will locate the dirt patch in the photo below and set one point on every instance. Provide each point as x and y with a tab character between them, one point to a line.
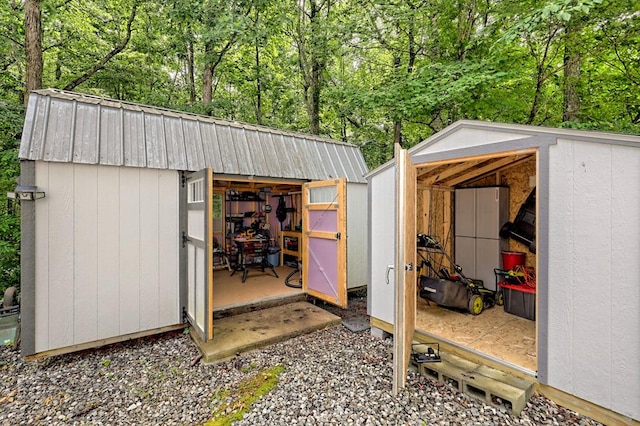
354	317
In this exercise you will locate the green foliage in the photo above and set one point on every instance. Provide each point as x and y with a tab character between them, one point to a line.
11	119
231	405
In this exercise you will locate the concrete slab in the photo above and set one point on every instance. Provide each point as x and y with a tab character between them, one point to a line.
252	330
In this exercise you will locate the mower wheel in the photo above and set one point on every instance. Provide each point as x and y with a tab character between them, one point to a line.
500	298
9	299
475	304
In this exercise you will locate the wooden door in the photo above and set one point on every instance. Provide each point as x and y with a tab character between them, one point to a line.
324	244
405	266
198	239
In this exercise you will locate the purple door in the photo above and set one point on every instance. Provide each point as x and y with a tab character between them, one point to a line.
324	241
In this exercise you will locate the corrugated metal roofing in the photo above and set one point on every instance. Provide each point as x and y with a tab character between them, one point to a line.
72	127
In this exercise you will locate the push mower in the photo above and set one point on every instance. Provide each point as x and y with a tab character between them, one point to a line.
451	290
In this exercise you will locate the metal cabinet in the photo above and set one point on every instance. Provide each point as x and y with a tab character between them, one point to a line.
479	215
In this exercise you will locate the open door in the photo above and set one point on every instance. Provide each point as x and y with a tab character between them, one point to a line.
198	239
405	266
324	245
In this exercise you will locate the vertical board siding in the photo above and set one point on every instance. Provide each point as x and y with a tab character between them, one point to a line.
108	244
593	293
591	275
382	198
106	253
61	303
357	243
85	260
168	247
130	193
149	239
625	278
42	260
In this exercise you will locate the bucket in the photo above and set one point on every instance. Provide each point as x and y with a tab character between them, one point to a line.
512	258
274	258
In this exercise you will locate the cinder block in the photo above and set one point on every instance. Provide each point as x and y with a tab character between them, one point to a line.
495	393
491	386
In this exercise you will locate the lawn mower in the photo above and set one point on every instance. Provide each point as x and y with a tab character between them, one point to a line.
451	290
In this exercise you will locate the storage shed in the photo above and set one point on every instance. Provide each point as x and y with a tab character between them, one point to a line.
125	207
579	338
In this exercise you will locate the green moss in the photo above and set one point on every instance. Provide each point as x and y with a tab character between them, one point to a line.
232	405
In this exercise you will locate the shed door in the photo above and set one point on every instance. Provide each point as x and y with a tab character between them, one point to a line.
405	265
324	244
198	239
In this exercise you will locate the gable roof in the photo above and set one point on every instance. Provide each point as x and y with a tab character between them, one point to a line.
466	138
77	128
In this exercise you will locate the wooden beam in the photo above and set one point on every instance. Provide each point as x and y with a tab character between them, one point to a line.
104	342
435	187
482	170
451	171
517	153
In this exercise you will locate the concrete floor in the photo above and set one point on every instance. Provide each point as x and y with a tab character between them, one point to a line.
251	330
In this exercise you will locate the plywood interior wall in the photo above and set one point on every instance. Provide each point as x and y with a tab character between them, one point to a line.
435	205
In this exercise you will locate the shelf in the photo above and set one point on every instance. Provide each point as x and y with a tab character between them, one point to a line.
290	244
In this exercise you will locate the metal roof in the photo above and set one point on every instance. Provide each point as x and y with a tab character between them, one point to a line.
77	128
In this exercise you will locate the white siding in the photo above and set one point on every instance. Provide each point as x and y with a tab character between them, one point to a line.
106	252
465	138
382	204
594	248
357	246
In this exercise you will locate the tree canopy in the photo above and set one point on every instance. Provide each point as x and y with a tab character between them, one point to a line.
369	72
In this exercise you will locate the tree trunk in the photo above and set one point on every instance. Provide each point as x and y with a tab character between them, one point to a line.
33	46
258	86
191	74
572	58
207	77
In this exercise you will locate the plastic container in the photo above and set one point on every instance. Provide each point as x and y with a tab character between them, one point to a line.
274	259
519	300
511	259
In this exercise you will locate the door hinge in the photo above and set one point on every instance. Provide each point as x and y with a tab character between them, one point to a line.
183	179
338	235
185	239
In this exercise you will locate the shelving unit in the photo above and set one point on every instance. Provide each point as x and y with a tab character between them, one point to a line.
290	245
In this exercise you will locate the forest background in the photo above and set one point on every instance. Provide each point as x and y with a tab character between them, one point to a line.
368	72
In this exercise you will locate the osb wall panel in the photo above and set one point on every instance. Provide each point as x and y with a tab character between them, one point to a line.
517	179
431	205
435	217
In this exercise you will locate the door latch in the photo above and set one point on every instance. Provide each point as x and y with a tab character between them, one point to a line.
408	267
337	235
185	239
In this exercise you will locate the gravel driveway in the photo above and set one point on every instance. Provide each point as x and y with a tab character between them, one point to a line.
330	377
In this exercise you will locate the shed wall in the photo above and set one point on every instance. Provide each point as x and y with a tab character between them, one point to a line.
357	232
594	248
382	243
106	252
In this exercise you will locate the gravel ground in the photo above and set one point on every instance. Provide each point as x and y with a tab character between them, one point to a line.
330	377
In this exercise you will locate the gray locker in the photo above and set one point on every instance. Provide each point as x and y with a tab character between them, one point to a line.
479	215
